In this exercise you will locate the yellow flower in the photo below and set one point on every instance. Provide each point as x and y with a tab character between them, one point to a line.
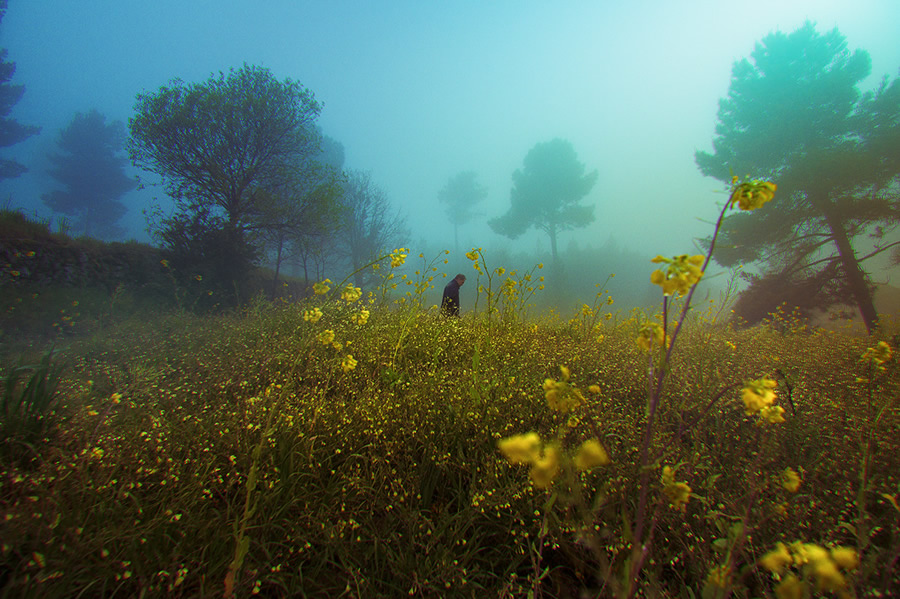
545	468
338	346
313	315
362	317
326	337
758	394
560	395
777	560
650	336
790	480
398	257
591	454
682	273
521	449
348	363
772	414
677	493
351	294
322	287
719	576
752	194
845	557
791	588
877	355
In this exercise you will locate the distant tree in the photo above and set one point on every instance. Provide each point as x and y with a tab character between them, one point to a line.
795	115
308	247
546	194
11	131
90	167
367	223
228	149
459	196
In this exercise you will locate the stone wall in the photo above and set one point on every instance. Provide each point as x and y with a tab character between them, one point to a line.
57	261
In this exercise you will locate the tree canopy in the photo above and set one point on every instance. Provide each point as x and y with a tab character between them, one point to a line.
11	131
460	196
222	143
241	155
794	114
90	167
547	192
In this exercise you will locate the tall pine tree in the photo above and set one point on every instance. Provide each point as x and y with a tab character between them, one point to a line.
11	131
90	167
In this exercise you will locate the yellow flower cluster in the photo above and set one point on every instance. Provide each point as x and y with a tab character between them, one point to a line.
361	317
398	257
878	355
590	455
351	294
560	395
313	315
545	462
790	480
321	288
348	363
526	449
650	335
326	337
825	567
682	273
758	395
751	195
677	493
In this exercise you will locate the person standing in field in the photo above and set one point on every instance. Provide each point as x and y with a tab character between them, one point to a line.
450	301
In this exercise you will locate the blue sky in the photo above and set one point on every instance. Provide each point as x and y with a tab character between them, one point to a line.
417	91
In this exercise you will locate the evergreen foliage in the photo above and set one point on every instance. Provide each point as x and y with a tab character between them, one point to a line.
91	170
794	114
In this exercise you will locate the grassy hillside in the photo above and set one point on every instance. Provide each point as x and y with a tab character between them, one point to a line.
348	447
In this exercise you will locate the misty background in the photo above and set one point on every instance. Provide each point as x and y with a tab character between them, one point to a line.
417	92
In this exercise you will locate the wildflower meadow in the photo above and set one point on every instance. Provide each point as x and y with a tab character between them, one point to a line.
356	443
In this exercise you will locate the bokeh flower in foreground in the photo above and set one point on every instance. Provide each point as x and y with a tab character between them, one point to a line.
752	194
682	273
758	394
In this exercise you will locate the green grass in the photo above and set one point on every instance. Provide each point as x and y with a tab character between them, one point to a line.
186	448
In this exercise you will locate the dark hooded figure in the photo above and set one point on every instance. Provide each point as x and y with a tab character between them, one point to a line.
450	301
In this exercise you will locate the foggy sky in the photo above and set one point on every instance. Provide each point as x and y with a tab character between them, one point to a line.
417	91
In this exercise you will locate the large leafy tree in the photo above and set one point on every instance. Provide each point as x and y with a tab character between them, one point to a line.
232	151
794	114
546	194
460	196
222	143
11	131
90	167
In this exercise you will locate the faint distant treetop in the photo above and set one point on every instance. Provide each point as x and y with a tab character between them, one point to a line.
794	115
221	143
11	131
459	196
90	167
546	194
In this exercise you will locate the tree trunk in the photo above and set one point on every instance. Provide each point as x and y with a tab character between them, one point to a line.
552	232
856	278
277	265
